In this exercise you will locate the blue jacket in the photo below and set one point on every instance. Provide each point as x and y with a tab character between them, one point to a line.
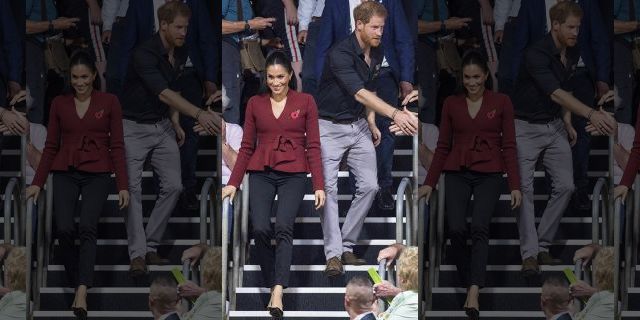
139	25
593	39
397	38
11	60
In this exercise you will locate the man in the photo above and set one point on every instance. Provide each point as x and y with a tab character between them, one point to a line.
396	73
237	22
150	111
359	299
540	95
164	299
555	299
345	92
42	22
591	78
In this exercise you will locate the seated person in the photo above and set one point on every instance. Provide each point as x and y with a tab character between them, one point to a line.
405	302
13	303
163	299
208	305
601	303
231	139
359	301
555	299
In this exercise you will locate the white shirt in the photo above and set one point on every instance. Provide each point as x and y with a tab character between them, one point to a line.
38	135
112	9
234	139
308	9
504	9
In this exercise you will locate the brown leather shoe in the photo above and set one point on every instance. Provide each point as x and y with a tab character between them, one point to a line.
138	267
546	258
153	258
530	267
334	267
349	258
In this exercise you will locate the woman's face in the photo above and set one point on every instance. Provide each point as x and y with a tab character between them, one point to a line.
82	78
473	78
278	78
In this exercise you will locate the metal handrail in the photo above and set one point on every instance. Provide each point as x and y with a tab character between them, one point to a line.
28	242
186	268
421	253
9	202
599	190
440	231
635	239
226	203
235	272
405	195
204	210
577	270
41	204
616	244
382	268
629	261
433	246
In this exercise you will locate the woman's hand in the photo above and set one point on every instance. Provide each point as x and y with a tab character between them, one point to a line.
425	191
620	191
320	198
32	191
229	191
123	199
516	199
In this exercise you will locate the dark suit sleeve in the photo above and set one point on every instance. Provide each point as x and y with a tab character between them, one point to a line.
403	43
520	38
206	41
11	43
600	43
324	39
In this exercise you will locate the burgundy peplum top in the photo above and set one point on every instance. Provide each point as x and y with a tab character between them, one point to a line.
485	143
94	143
289	143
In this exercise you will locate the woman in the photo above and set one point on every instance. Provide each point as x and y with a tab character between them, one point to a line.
476	145
601	303
84	146
209	303
280	144
13	304
405	304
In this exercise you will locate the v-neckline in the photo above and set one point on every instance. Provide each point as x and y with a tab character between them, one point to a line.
479	109
286	102
75	108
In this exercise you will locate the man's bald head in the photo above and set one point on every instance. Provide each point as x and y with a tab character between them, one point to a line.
358	297
163	296
555	296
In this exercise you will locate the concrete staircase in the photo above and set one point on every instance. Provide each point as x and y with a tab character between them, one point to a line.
311	294
115	295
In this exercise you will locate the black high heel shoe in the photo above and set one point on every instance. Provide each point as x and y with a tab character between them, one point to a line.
472	313
275	312
80	313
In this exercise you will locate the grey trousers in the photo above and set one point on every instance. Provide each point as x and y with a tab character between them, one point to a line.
336	140
158	142
551	141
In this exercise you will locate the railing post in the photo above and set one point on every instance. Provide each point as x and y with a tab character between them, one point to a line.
186	268
28	235
382	271
577	269
400	209
8	203
225	245
48	242
595	211
616	244
441	245
237	244
204	195
244	227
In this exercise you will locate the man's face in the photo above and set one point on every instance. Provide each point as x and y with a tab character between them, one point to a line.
568	31
176	32
371	33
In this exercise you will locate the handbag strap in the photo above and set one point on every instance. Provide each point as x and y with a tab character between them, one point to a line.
240	11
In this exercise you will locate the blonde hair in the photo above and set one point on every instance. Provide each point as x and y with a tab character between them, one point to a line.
408	269
364	11
604	268
15	268
211	266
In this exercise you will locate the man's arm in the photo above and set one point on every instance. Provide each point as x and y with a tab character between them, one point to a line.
404	48
372	102
305	10
109	13
601	46
621	27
